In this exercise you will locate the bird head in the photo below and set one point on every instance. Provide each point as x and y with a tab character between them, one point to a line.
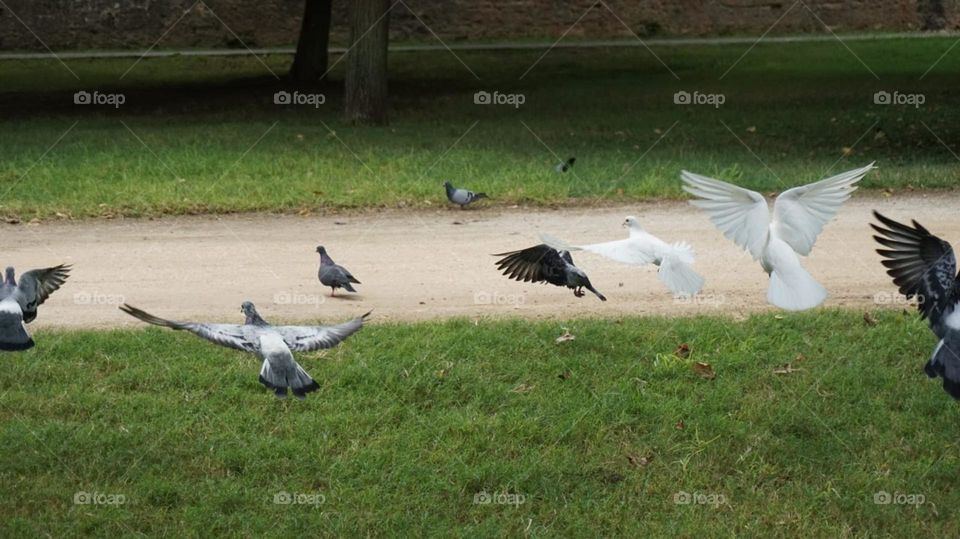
248	309
448	185
321	249
9	276
632	223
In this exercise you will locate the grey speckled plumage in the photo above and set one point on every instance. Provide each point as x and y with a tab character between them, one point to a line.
544	264
19	302
924	268
334	275
272	344
463	197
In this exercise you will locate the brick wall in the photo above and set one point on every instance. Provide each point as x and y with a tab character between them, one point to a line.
120	24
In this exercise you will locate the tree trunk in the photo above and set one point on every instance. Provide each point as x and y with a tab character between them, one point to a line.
310	62
366	84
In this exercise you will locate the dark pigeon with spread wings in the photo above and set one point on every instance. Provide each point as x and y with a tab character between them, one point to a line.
334	275
272	344
544	264
19	302
924	267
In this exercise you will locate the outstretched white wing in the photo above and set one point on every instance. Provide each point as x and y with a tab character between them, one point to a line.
799	214
626	251
741	214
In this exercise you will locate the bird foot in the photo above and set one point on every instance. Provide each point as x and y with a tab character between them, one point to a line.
579	292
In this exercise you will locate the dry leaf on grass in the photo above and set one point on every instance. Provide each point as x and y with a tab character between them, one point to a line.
704	370
567	336
869	319
523	388
786	369
638	460
682	351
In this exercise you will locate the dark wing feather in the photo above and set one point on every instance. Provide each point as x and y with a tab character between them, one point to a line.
229	335
922	265
37	285
538	264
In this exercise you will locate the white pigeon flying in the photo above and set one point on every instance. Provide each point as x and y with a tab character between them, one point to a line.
799	215
641	248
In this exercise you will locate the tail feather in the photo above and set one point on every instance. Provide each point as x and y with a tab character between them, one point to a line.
945	363
149	318
297	379
348	287
793	289
590	287
677	274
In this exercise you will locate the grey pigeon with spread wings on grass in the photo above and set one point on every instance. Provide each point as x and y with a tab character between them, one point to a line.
334	275
19	302
272	344
463	197
924	267
544	264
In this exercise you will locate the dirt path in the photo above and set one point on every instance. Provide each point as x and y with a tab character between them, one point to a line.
426	265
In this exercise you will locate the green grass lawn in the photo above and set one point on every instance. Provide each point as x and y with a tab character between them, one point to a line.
203	134
599	436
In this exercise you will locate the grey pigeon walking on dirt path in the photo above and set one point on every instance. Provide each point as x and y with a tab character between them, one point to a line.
544	264
462	197
334	275
272	344
19	302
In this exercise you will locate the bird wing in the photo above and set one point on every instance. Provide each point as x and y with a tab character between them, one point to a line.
799	214
921	264
36	286
538	264
309	338
627	251
741	214
229	335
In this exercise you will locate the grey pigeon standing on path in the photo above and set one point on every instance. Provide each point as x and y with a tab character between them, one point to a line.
273	344
564	166
924	267
462	197
19	302
334	275
544	264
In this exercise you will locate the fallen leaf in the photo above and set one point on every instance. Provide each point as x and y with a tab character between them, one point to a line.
682	351
680	425
567	336
778	317
522	388
639	461
704	370
752	129
565	375
869	319
786	369
847	151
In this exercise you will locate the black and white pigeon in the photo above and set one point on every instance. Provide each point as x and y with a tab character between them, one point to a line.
564	166
19	302
334	275
924	267
272	344
463	197
544	264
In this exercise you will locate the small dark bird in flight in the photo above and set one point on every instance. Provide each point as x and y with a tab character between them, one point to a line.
544	264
